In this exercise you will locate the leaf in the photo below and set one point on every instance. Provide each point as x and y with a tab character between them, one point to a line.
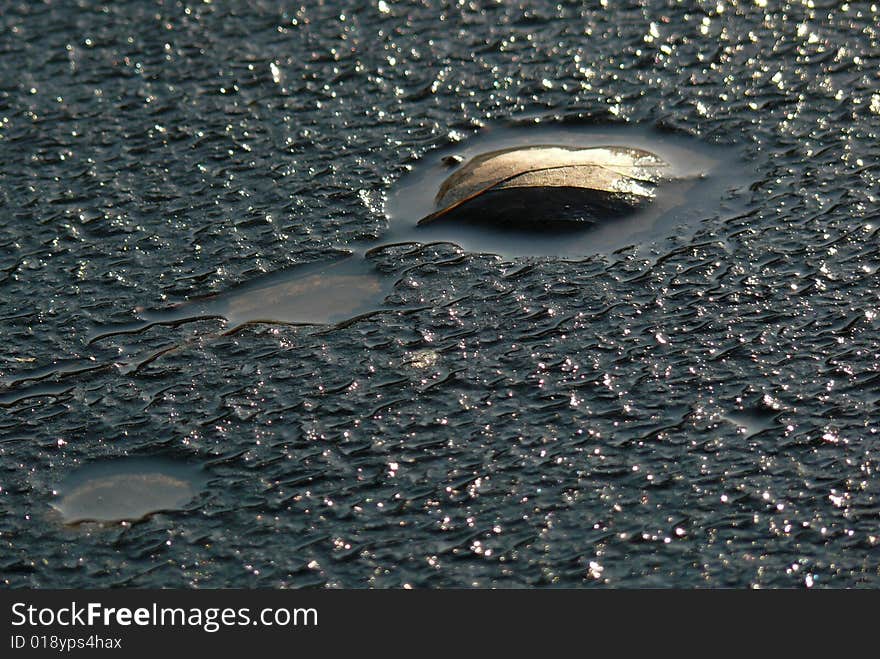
609	175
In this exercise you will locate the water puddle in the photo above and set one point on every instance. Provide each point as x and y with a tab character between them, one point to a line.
705	184
315	294
127	489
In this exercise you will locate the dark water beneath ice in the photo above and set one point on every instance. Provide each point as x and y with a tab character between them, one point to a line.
687	397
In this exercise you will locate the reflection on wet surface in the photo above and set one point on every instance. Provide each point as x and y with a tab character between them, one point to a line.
316	294
702	182
126	490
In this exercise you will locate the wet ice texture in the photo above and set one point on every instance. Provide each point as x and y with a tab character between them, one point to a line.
572	423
